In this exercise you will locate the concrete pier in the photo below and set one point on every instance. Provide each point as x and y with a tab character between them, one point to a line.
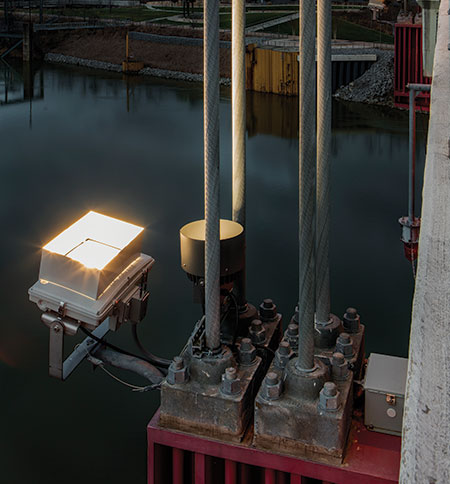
426	424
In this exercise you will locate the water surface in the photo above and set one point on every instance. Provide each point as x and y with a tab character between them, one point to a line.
90	141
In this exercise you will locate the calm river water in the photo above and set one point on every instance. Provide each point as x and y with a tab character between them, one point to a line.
84	144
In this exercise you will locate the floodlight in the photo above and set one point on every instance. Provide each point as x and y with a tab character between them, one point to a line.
91	271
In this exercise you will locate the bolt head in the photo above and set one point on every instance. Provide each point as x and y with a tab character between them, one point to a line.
178	362
177	375
292	329
351	320
256	325
247	352
272	378
257	332
230	373
329	397
284	348
230	383
272	386
344	338
338	359
246	344
344	345
330	389
351	313
268	303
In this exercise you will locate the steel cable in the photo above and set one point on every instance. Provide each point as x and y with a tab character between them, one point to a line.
307	175
323	160
211	153
238	108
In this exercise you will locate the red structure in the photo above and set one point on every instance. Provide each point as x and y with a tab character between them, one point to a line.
408	66
179	458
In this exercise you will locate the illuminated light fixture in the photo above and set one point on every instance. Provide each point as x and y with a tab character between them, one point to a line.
91	271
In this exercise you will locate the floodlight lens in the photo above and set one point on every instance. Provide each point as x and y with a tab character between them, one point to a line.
94	240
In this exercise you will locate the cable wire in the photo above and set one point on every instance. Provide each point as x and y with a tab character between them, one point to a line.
155	360
135	388
114	347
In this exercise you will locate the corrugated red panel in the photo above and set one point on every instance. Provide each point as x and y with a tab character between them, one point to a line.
179	458
408	66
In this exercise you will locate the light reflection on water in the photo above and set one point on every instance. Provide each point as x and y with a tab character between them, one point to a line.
136	154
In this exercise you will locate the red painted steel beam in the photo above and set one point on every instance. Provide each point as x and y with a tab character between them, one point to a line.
230	472
177	466
372	458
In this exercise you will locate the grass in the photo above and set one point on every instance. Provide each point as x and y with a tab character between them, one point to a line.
342	29
252	18
136	14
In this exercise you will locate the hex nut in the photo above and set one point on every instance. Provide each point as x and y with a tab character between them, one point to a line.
267	310
231	384
329	397
351	320
247	352
344	345
291	335
178	372
283	355
339	367
272	386
257	332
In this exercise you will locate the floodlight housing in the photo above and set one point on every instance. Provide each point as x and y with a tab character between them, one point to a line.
90	267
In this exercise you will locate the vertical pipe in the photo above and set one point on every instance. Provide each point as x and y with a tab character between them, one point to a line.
127	48
41	11
306	301
177	466
412	153
323	160
238	126
230	472
211	146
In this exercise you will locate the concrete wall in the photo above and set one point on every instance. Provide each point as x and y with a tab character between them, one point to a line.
426	424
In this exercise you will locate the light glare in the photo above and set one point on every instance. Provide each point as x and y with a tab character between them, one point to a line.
94	240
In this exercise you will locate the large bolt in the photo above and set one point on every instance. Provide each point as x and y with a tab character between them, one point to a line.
330	389
247	352
329	397
178	362
283	355
292	335
351	320
344	345
339	367
272	386
267	310
178	372
230	373
257	332
230	382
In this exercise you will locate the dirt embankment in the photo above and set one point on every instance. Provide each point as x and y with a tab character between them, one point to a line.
108	45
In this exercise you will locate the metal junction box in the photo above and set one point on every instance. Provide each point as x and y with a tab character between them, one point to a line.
384	387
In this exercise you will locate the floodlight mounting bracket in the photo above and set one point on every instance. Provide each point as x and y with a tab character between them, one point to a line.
60	326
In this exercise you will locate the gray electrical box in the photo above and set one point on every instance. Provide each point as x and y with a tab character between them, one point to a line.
384	387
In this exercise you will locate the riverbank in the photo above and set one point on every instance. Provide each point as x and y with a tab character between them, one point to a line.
170	53
375	86
109	66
